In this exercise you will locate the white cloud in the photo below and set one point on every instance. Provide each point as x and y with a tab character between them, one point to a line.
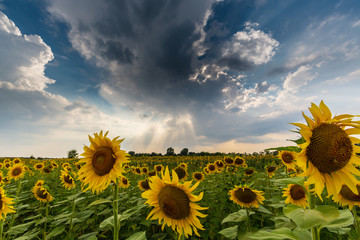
299	78
250	45
8	26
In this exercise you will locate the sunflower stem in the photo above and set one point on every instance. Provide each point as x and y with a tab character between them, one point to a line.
247	220
315	231
115	209
1	227
356	220
46	215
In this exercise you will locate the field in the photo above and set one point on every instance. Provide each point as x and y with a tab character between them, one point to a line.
77	214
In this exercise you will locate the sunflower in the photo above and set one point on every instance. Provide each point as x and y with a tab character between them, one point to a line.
46	170
42	194
39	166
173	204
158	168
137	170
124	182
239	161
144	185
7	165
296	194
249	172
16	161
270	170
211	167
348	197
1	165
144	170
219	164
246	197
5	204
126	167
288	158
103	162
181	172
151	173
206	170
1	178
198	176
39	183
67	180
17	171
328	154
184	165
228	161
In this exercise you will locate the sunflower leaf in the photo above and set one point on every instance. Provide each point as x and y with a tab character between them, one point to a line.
277	234
338	225
137	236
230	232
236	216
100	201
304	218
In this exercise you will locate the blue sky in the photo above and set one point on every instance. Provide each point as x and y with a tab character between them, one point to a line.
212	76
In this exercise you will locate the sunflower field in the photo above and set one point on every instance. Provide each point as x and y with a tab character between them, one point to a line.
307	192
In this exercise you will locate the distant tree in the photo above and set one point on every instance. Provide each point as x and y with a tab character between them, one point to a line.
184	152
72	153
32	157
170	151
192	153
131	153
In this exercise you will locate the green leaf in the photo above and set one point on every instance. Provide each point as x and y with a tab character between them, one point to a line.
328	212
100	201
56	231
107	223
137	236
304	218
235	217
88	236
18	229
302	234
264	210
277	234
338	225
230	232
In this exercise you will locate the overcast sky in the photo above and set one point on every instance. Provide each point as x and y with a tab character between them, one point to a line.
212	76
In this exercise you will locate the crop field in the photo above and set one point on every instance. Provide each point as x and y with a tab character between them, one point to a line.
300	193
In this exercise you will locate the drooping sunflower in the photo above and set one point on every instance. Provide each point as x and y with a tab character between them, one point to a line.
239	162
42	194
103	162
270	170
288	158
144	185
347	197
5	204
198	176
246	197
296	194
16	172
328	154
174	204
67	180
38	166
181	172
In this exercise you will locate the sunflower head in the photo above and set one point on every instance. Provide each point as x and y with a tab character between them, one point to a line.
296	194
151	173
16	172
174	204
328	154
39	166
211	167
39	183
239	161
158	168
16	161
124	182
249	171
228	161
144	170
67	180
198	176
42	194
181	172
246	197
270	170
184	165
103	162
346	197
219	164
5	204
144	185
288	158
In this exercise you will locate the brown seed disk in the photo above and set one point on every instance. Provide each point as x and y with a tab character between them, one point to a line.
287	157
181	172
16	171
68	179
348	194
271	169
174	202
245	195
239	161
297	192
103	160
41	193
145	184
330	148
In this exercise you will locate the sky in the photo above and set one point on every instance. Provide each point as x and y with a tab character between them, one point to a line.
215	76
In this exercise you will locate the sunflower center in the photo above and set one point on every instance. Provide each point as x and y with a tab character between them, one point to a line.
68	179
249	171
211	167
16	171
239	161
297	192
180	171
219	164
174	202
229	160
198	176
41	193
158	168
287	157
145	184
103	160
245	195
330	148
124	181
348	194
271	169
